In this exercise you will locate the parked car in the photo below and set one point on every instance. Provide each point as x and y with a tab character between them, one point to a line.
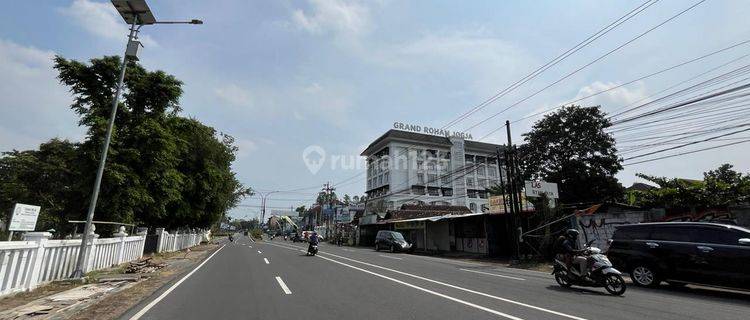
391	240
683	252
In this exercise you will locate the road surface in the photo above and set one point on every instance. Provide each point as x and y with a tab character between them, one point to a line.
275	280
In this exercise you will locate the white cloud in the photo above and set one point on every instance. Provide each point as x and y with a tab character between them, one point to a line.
101	19
612	99
245	147
34	105
343	18
329	103
235	95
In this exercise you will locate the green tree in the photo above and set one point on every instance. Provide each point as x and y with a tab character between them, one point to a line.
300	210
569	147
162	169
347	199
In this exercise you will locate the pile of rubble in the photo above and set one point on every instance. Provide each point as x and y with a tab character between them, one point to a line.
144	266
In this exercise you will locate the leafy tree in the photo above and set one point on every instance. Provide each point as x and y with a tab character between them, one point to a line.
570	148
347	199
162	169
719	188
300	210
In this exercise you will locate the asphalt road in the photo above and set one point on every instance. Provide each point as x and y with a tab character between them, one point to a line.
275	280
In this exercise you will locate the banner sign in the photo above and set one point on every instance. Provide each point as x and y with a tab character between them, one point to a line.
24	217
538	188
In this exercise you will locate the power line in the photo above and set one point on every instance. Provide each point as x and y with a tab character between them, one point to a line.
643	78
586	65
688	152
554	61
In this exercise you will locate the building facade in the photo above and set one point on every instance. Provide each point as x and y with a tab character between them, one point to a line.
415	168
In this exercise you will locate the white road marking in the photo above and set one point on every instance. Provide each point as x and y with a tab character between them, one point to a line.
266	260
260	252
384	256
283	285
454	286
495	312
168	291
493	274
349	250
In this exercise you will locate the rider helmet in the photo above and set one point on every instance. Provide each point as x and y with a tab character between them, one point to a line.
571	234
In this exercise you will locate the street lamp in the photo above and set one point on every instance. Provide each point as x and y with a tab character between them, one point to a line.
263	204
134	12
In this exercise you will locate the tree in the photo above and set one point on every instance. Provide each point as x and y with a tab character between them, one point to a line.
347	199
719	188
300	210
162	169
570	148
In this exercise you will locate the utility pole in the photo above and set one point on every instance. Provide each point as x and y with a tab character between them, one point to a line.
328	189
514	190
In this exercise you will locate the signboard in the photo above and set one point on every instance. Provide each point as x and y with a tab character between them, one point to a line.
24	217
409	225
431	130
538	188
497	204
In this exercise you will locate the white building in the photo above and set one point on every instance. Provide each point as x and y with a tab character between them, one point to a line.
409	167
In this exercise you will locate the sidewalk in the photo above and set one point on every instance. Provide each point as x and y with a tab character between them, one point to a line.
107	294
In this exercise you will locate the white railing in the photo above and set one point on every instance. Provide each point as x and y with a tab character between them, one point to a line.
25	265
175	242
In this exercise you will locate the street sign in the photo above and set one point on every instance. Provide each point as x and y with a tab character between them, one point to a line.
24	217
497	204
538	188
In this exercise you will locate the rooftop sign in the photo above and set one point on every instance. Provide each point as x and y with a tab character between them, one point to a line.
431	130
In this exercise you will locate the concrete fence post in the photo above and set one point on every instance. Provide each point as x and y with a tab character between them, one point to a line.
120	245
143	234
160	240
175	241
35	269
91	250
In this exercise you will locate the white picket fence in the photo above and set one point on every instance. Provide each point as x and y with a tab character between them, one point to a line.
176	242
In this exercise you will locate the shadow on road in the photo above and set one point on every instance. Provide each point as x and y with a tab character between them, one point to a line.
580	290
705	293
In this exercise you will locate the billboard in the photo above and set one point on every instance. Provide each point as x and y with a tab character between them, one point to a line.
24	217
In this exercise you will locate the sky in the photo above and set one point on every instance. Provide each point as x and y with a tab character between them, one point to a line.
287	77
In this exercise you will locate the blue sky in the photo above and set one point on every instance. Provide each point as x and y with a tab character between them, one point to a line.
281	76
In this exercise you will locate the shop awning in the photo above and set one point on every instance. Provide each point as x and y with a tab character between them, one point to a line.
438	218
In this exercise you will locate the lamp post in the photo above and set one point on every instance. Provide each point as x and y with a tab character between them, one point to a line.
263	197
135	13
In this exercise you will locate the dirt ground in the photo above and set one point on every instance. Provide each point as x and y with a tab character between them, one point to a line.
114	305
110	305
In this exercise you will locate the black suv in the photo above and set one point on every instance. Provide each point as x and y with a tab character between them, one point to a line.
683	252
392	240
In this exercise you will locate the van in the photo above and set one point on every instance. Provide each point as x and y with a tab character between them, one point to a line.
391	240
683	252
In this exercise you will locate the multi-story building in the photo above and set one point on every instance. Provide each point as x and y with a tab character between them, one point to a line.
410	167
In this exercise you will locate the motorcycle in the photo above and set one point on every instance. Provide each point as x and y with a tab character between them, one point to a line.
601	273
312	250
231	239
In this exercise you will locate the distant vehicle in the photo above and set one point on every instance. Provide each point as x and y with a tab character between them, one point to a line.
683	252
600	273
297	238
391	240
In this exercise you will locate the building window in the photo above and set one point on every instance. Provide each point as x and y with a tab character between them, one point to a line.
417	190
473	207
420	178
482	183
431	178
420	165
482	170
492	171
385	177
433	191
469	182
446	179
447	192
485	207
380	180
472	193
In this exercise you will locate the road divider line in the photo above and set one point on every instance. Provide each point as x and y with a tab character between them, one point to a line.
389	257
473	305
283	285
451	286
260	252
148	307
266	260
493	274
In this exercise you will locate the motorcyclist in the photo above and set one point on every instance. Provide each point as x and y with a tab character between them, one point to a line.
314	240
568	249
